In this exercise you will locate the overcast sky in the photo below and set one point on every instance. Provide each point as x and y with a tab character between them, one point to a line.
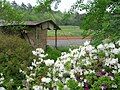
63	6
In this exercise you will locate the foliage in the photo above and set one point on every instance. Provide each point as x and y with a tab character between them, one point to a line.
102	19
14	54
52	53
42	11
9	13
82	68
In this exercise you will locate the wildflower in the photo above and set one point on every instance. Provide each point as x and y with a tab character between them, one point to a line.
118	42
114	86
34	64
95	57
49	62
89	48
36	87
60	75
40	50
115	51
31	68
113	61
46	80
86	43
113	71
35	53
55	79
66	88
101	47
111	45
2	88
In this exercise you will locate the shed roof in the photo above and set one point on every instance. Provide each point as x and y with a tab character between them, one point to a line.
28	23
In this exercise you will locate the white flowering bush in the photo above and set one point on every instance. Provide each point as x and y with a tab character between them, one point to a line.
85	68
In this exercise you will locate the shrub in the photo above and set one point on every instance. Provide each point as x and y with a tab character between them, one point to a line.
53	53
88	67
15	53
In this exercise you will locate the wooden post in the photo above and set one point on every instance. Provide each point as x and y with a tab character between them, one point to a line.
55	38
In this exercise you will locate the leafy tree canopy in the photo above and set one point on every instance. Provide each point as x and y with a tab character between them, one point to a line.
102	19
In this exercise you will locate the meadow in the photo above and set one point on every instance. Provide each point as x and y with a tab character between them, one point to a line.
67	31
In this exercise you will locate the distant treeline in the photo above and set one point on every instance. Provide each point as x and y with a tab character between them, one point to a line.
39	13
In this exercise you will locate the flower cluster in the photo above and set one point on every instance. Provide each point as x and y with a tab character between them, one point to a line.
1	81
1	78
87	67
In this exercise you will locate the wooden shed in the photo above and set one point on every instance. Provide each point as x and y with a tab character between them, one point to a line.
35	33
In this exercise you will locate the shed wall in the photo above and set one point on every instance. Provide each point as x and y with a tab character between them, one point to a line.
41	38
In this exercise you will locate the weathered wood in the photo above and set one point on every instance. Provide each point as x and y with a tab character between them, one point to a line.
55	38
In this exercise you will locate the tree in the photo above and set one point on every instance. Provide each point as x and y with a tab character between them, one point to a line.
102	20
9	13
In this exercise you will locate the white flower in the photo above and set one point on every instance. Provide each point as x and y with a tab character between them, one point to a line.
111	45
35	53
82	52
42	55
89	48
34	64
2	88
1	74
106	53
1	82
111	78
37	87
101	47
46	88
46	80
118	65
40	50
114	61
60	75
118	42
1	79
113	71
55	79
106	45
114	86
107	60
72	75
66	88
32	74
49	62
92	71
115	51
86	43
119	70
85	80
64	56
21	71
31	68
86	72
95	57
11	80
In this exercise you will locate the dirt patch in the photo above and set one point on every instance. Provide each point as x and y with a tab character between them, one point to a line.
66	38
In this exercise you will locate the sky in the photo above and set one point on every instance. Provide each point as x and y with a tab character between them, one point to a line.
63	6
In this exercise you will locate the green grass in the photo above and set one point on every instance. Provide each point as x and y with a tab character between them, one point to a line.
66	31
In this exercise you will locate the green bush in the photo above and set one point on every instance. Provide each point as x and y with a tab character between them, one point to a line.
52	53
15	53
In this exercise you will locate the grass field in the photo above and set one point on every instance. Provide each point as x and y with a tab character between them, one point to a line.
66	31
